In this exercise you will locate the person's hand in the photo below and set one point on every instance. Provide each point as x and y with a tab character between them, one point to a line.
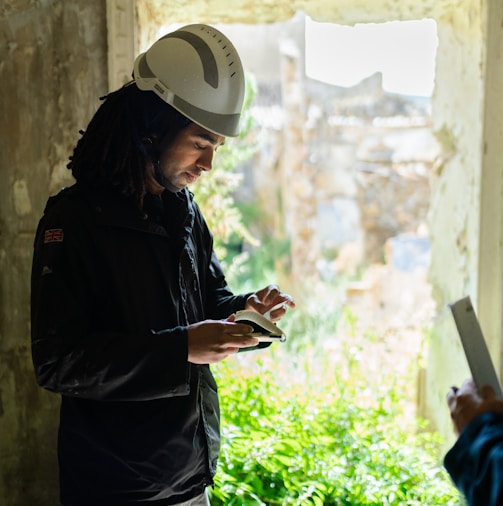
270	299
211	341
466	403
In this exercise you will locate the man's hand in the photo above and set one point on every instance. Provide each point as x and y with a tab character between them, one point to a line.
466	403
270	299
211	341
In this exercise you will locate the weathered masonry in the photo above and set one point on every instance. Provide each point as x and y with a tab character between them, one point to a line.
57	57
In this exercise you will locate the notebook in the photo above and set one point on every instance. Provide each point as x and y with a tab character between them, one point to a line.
475	346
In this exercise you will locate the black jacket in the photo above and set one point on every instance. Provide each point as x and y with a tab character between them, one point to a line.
475	462
112	294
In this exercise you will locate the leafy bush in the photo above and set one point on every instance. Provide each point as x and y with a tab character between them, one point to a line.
299	430
259	266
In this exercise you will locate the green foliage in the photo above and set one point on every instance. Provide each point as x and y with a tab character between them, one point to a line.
303	429
258	267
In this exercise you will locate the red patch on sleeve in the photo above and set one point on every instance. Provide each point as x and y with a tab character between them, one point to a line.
53	235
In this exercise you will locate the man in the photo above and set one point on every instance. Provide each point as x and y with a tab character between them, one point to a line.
475	462
129	302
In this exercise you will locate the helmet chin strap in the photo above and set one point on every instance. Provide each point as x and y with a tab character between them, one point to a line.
159	176
157	171
151	151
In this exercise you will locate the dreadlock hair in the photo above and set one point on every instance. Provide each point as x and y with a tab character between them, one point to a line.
119	139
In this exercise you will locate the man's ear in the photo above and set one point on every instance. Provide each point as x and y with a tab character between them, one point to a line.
151	147
148	145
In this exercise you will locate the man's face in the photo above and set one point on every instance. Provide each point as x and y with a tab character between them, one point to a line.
189	154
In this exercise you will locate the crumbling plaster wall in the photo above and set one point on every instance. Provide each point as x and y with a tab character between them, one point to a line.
459	107
455	207
53	67
52	71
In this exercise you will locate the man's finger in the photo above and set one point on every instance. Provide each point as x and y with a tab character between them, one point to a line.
244	342
238	329
451	396
487	392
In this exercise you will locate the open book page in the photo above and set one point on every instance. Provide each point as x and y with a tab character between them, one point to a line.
475	347
263	328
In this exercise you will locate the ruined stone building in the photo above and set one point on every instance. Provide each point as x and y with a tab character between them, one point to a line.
57	57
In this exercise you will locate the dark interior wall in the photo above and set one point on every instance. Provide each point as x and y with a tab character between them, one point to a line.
53	68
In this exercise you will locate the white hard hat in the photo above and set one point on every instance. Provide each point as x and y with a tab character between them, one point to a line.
197	70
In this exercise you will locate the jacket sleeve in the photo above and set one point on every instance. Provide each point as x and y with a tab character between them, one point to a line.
221	300
74	356
475	462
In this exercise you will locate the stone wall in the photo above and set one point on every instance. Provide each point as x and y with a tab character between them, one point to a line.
52	71
459	104
53	67
462	102
340	169
455	205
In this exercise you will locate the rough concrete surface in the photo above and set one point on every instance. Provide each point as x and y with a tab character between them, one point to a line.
53	68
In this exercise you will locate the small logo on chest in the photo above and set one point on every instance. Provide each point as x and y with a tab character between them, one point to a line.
53	235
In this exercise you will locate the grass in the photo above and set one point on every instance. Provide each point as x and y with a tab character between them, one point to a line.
303	426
